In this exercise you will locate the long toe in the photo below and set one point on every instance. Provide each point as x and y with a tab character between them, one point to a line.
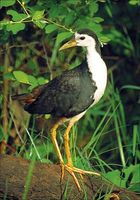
81	171
62	171
71	172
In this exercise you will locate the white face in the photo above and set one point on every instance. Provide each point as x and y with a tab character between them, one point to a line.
84	40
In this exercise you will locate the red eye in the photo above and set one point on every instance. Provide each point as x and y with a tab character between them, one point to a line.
82	38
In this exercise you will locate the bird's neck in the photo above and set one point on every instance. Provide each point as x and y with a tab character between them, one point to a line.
95	63
98	69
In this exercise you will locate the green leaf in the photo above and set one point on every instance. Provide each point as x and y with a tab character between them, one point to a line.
62	36
21	77
39	23
6	3
131	87
39	14
15	27
41	80
32	80
16	16
98	19
134	2
47	116
93	8
70	18
104	39
131	171
50	28
54	11
135	171
9	76
115	177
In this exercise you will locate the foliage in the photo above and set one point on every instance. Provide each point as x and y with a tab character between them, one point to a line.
31	33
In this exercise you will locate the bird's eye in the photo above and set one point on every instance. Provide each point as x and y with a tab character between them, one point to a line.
82	38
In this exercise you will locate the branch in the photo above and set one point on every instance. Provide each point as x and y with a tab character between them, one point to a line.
45	183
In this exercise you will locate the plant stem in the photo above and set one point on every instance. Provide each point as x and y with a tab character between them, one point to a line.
5	97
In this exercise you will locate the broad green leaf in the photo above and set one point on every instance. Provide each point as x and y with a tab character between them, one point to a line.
16	16
6	3
132	170
15	27
62	36
115	177
38	14
32	80
50	28
135	171
20	76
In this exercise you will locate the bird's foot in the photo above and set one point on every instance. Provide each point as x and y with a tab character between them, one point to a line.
81	171
72	170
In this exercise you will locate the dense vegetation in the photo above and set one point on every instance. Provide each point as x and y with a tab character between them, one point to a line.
107	138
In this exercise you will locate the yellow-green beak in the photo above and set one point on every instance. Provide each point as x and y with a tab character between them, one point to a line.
71	43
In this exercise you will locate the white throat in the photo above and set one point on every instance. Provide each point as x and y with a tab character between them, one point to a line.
99	71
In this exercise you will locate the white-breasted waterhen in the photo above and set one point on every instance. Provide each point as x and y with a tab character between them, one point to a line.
68	96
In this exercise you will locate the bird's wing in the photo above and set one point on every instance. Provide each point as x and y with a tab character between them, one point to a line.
65	96
58	96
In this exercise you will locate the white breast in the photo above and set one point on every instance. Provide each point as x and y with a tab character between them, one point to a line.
99	72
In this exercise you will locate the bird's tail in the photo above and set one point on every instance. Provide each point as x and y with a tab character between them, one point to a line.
24	98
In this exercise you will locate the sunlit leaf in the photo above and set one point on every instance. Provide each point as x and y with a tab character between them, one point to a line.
134	2
104	39
20	76
38	14
98	19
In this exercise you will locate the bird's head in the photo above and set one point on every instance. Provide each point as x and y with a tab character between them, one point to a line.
83	38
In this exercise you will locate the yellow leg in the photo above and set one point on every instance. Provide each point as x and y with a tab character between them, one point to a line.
53	137
66	143
69	166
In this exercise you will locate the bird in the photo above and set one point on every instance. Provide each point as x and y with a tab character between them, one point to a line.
68	96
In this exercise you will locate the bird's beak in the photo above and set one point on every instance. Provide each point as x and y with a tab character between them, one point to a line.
71	43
